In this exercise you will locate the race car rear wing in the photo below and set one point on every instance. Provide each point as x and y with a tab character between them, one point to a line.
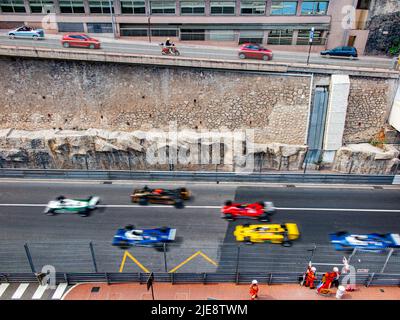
395	238
171	235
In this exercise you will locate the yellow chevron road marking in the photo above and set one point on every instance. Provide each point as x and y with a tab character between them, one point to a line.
127	254
192	257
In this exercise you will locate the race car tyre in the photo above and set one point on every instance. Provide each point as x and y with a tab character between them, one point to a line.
163	229
178	204
123	245
143	201
50	213
129	227
228	203
247	240
84	213
229	217
60	198
264	218
287	243
160	247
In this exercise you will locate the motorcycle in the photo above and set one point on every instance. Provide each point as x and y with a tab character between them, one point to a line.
170	50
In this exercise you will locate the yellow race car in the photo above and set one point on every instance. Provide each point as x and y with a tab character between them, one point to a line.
273	233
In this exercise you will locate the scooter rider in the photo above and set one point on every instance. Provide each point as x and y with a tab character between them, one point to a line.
169	45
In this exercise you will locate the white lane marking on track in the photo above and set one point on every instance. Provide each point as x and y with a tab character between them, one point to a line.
20	291
207	207
3	288
39	292
59	291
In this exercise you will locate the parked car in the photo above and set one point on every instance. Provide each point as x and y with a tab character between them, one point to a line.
350	52
26	32
254	51
79	40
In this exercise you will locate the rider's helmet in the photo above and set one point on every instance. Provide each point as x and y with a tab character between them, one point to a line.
168	39
313	269
335	269
254	282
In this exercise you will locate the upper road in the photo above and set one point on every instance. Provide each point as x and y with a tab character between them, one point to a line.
62	240
199	51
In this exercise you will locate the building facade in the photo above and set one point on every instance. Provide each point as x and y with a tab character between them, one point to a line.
282	24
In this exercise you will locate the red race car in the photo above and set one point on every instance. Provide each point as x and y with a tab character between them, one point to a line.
79	40
258	210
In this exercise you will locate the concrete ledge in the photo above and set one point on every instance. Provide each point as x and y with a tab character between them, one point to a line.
100	56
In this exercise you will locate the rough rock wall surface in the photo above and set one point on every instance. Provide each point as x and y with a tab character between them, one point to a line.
384	31
368	104
139	150
364	158
44	94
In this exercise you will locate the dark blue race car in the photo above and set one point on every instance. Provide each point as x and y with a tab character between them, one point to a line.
131	236
373	241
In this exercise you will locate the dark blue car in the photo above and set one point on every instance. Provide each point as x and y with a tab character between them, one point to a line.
349	52
373	241
131	236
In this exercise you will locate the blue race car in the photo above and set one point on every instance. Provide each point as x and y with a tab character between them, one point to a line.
373	241
130	236
26	32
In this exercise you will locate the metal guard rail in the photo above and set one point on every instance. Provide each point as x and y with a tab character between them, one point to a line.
366	279
196	176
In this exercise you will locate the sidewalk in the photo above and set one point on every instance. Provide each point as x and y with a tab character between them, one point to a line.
226	291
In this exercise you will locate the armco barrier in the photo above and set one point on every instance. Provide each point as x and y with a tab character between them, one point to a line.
197	176
365	279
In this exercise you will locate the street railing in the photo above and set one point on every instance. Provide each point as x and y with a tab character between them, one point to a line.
367	279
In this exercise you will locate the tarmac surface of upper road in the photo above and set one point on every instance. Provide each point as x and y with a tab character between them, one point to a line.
199	51
63	240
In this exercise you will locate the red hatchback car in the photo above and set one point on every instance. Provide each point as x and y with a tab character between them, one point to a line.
254	51
79	40
258	210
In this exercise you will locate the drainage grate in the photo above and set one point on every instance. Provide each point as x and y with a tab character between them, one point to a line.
290	186
378	187
107	182
95	289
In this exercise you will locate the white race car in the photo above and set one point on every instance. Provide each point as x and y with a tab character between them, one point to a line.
63	205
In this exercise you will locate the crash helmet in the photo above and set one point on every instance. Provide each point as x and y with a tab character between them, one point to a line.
254	282
168	39
313	269
335	269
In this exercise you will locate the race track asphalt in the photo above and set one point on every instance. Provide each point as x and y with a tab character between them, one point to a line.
63	240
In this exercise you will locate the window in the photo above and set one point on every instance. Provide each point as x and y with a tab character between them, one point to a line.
284	8
192	8
70	27
280	37
304	37
223	7
133	7
314	7
222	35
252	7
41	6
99	28
192	34
251	36
133	32
163	7
164	32
13	6
72	6
102	7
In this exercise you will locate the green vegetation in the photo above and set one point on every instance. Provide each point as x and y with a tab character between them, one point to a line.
395	48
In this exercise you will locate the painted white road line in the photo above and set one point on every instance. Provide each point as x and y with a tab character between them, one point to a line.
39	292
20	291
3	288
59	291
207	207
